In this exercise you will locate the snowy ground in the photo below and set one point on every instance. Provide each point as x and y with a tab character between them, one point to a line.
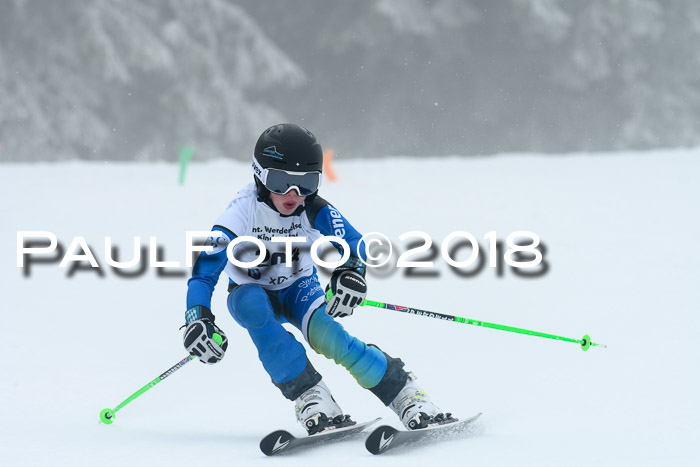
621	233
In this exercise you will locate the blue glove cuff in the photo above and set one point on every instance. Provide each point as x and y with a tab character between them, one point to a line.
353	263
198	312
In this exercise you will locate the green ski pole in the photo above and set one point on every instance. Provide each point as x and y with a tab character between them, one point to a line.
585	342
107	415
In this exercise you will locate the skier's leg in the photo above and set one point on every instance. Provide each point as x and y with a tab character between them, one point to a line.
282	356
304	305
373	369
388	381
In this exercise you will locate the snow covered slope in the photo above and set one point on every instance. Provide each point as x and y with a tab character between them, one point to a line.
621	234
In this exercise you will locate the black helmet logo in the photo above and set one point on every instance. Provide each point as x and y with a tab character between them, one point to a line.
271	151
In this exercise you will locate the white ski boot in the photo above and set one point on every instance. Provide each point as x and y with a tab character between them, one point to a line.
317	411
415	409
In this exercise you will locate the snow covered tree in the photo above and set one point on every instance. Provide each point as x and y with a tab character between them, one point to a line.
475	76
123	79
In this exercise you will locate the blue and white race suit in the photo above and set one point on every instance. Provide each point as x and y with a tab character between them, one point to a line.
262	298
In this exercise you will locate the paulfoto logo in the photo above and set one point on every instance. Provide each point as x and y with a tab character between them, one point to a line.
418	259
44	248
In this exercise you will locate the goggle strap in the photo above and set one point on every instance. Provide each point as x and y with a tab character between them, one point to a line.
259	171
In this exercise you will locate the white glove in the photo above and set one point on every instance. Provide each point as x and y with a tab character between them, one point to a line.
345	291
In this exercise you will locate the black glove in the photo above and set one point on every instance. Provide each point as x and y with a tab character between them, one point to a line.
203	338
346	289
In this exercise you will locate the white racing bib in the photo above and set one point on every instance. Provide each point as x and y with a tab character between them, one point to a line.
247	217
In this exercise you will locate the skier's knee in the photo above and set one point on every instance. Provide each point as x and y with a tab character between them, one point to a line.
250	306
328	337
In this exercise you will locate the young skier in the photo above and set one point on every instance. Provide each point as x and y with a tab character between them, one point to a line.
283	201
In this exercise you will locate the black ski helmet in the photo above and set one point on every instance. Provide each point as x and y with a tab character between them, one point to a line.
289	147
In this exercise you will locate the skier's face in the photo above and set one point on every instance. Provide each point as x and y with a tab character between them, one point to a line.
287	204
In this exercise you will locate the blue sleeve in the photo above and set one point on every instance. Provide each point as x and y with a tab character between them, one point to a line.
329	221
207	269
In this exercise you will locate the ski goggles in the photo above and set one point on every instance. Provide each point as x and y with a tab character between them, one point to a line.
282	181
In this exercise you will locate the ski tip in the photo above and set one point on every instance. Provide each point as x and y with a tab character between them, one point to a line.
275	442
372	422
380	439
470	420
385	437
